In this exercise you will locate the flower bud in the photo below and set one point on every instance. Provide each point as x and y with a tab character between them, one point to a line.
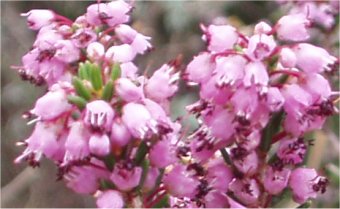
110	199
95	51
37	18
293	27
99	144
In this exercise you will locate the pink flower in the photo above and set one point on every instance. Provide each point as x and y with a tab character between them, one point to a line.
120	135
138	120
37	18
220	37
306	183
110	199
151	178
246	190
85	179
216	199
83	37
44	140
162	154
293	27
260	46
112	13
95	51
128	91
313	59
52	105
67	51
255	74
76	144
276	179
274	99
99	144
292	150
200	68
125	176
246	162
129	70
287	58
262	28
162	83
137	41
220	124
99	114
229	70
219	174
179	183
121	53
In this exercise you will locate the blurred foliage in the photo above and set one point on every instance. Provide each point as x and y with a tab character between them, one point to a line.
174	27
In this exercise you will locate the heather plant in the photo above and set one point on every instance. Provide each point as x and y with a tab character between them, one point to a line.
108	129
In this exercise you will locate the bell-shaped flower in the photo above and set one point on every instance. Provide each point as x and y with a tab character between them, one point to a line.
99	144
52	105
313	59
293	27
128	91
37	18
200	68
99	114
162	154
179	183
306	183
120	135
126	176
110	199
162	84
220	37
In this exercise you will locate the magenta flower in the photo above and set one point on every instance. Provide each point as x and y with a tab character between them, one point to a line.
179	183
99	115
37	18
110	199
306	183
220	37
125	176
293	27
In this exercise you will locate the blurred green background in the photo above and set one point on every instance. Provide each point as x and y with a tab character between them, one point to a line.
174	27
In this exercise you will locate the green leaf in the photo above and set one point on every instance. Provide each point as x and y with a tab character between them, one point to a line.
162	203
116	72
81	89
78	101
82	72
141	152
272	128
306	204
108	91
96	77
145	166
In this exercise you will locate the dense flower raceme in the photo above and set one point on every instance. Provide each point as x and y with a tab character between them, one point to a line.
106	128
109	132
322	13
248	84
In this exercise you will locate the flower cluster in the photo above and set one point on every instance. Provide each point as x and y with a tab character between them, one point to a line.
257	91
320	13
106	128
109	132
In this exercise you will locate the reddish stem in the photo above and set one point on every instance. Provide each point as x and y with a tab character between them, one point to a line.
63	19
161	188
279	136
156	200
287	72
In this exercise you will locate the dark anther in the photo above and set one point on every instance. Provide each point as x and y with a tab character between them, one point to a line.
197	168
242	120
238	153
183	151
